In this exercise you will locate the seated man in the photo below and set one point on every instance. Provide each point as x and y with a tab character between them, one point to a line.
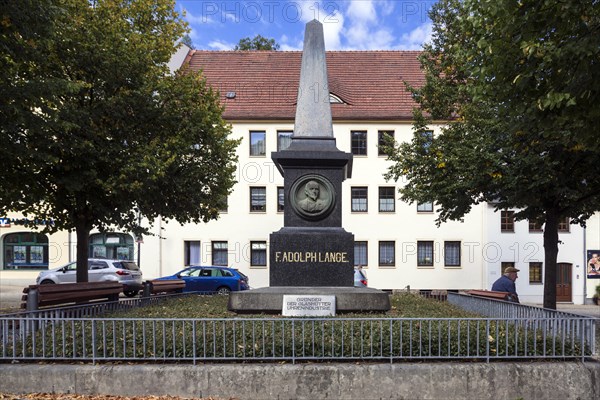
506	283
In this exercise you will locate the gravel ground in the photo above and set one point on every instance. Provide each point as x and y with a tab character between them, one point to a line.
50	396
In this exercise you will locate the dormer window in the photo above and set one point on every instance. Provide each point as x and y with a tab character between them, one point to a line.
333	99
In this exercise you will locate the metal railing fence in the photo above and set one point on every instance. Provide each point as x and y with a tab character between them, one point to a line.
524	315
291	339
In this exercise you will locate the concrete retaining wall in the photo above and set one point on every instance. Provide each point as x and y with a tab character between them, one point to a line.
530	381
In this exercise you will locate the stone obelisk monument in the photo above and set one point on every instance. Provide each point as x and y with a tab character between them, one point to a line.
312	254
312	249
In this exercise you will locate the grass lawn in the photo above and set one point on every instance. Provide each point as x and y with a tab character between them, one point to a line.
404	305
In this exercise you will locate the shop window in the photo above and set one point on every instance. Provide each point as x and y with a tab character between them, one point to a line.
25	250
117	246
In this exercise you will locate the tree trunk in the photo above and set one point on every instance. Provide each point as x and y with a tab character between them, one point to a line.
83	236
550	257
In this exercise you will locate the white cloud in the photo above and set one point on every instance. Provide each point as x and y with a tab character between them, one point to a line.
362	10
415	39
364	30
220	45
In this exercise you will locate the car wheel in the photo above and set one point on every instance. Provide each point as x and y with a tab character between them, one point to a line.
223	290
130	293
47	282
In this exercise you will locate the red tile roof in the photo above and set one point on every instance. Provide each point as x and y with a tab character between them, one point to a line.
371	83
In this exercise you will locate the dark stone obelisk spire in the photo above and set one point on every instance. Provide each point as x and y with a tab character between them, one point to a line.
313	112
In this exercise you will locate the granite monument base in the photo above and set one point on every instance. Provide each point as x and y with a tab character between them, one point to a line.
311	257
347	299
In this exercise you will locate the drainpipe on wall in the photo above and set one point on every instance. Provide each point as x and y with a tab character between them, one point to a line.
160	246
69	244
585	266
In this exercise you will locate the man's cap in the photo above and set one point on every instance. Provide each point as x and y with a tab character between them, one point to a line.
511	269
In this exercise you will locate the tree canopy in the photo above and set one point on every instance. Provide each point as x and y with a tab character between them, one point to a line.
518	84
95	129
257	43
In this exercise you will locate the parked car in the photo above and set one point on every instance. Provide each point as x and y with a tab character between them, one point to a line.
360	278
221	280
99	270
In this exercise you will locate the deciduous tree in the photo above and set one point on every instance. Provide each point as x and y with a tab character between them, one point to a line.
98	131
257	43
518	83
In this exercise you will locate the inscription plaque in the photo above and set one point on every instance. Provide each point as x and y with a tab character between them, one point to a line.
308	305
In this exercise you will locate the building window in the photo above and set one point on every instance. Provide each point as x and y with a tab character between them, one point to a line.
535	272
387	254
258	256
425	207
359	199
507	221
280	199
426	138
387	199
535	226
383	137
506	264
219	253
284	139
425	253
452	254
360	254
258	199
224	204
191	252
359	143
258	143
25	250
111	245
563	224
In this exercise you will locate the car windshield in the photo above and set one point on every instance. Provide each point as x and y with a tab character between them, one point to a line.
130	265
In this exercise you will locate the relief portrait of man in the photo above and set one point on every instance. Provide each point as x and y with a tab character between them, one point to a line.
312	203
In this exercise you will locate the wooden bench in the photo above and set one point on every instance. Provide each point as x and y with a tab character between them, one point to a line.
489	294
36	296
163	286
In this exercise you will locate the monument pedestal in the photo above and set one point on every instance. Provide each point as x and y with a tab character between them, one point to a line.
270	299
311	257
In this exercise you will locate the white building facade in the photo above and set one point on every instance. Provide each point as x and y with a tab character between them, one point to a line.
398	244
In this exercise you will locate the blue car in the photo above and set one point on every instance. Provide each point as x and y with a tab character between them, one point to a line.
221	280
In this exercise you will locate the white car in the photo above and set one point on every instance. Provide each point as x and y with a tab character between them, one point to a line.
99	270
360	278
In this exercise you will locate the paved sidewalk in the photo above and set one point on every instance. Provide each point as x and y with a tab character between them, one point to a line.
10	296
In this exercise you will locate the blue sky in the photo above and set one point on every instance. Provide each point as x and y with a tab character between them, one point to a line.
348	24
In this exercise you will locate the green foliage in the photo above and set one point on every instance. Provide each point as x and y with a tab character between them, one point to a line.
518	83
96	130
257	43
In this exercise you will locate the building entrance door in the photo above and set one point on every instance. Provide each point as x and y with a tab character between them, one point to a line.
563	282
